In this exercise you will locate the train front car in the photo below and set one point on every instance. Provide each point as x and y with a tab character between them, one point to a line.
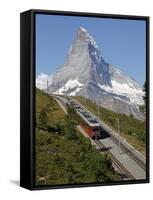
96	132
90	125
93	131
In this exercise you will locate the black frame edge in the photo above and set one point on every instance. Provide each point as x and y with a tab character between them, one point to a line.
148	98
25	108
87	14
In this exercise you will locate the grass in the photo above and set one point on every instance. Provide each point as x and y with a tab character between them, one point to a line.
132	130
60	160
53	110
69	163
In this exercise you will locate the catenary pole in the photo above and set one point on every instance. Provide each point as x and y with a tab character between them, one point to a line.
119	136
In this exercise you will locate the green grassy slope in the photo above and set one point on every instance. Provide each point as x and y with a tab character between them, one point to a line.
60	160
132	129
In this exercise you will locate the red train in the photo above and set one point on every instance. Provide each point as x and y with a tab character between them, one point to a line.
88	122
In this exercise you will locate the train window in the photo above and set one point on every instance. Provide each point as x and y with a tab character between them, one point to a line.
96	129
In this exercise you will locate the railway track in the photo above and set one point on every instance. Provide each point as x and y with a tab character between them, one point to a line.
119	166
115	161
130	153
125	148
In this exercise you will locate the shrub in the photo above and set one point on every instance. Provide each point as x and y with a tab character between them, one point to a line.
70	124
49	141
43	119
129	132
60	127
142	136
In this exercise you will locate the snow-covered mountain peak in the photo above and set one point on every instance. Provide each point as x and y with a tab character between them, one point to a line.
86	73
83	34
82	29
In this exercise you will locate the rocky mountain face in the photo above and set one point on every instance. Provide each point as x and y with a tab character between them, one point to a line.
86	73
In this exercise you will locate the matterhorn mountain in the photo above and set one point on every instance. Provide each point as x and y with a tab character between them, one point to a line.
86	73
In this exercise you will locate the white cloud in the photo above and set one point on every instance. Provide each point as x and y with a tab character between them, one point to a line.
41	81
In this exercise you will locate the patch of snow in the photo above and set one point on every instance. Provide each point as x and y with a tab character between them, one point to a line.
130	85
70	84
135	95
117	98
98	58
83	29
75	92
93	42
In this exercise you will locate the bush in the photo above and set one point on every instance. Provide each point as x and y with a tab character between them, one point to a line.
60	127
43	119
142	136
131	116
142	108
57	128
129	132
52	129
49	141
70	124
111	120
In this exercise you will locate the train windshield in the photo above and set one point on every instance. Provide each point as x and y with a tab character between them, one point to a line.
96	129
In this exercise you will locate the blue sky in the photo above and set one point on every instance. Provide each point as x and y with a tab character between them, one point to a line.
122	42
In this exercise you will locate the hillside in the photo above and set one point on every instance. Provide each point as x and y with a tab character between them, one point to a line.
133	130
61	159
